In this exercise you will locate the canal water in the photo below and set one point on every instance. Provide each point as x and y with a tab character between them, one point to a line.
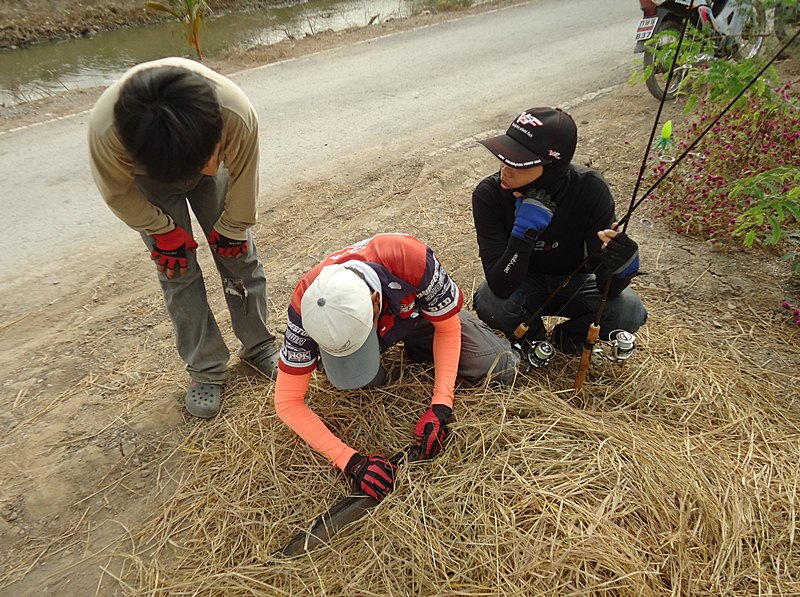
42	70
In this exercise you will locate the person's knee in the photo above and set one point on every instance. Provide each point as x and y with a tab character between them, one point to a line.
490	308
484	353
629	311
505	369
500	366
482	299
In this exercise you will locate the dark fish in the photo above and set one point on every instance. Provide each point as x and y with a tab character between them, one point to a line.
342	514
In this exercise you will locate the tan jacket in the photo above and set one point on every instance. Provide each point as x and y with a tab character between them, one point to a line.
113	168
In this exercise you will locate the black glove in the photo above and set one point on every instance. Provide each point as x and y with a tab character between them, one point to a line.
431	429
621	256
533	214
374	475
542	197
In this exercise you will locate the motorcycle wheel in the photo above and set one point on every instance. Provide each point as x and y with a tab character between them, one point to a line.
667	33
755	29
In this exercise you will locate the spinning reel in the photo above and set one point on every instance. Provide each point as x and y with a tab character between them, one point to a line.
534	355
619	347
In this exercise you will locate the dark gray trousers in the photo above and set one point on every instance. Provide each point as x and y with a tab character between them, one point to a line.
197	336
482	351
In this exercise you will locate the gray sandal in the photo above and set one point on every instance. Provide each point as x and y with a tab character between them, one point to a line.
265	364
203	399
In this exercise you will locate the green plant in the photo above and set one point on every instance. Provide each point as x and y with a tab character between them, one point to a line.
721	80
190	13
740	184
774	213
695	50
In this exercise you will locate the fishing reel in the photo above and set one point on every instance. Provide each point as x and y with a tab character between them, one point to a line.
619	347
534	355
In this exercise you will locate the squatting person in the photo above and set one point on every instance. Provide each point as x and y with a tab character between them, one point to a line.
354	305
172	134
536	220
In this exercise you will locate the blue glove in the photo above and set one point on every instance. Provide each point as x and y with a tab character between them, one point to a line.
533	214
621	256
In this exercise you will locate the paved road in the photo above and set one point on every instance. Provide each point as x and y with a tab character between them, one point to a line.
337	113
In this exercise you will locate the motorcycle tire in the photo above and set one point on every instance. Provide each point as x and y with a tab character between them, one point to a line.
666	33
755	29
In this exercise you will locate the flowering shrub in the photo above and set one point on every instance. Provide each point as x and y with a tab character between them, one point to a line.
795	310
741	184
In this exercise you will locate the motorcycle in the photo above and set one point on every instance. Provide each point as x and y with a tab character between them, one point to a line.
736	30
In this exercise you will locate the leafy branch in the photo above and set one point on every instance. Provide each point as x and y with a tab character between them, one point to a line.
190	13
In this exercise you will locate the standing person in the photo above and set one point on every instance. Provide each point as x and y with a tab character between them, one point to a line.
536	221
354	305
172	134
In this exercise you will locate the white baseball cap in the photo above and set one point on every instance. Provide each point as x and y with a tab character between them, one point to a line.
337	313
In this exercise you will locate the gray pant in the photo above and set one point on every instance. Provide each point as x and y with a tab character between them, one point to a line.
482	351
578	301
197	336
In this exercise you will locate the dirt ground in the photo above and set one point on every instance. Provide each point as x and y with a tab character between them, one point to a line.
91	406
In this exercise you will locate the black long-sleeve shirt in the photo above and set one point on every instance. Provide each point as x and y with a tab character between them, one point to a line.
584	206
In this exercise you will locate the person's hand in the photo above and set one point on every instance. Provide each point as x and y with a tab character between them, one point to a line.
431	429
374	475
227	247
533	214
620	253
170	249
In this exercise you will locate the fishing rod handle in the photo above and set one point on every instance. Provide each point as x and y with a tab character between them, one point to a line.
591	339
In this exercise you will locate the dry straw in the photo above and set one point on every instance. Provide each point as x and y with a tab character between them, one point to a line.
676	475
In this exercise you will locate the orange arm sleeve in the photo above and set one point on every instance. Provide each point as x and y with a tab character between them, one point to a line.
290	393
446	353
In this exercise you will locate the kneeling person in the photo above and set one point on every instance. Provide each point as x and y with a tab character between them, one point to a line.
354	305
536	220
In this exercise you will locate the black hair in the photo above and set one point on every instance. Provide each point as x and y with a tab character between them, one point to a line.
169	120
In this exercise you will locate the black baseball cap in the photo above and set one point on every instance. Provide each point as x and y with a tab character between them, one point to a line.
537	137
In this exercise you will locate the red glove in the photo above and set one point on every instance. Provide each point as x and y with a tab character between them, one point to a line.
431	429
170	251
227	247
374	475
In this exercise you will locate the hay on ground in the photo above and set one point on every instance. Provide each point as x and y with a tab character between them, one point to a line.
675	475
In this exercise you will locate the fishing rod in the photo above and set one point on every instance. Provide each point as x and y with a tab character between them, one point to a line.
542	351
546	350
594	327
593	333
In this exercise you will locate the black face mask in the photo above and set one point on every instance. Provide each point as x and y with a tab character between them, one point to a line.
554	176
